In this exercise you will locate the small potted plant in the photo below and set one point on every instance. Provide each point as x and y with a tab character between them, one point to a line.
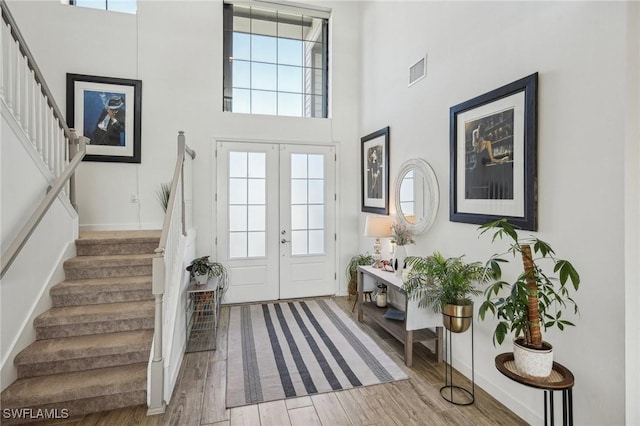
445	285
535	301
352	269
400	236
201	269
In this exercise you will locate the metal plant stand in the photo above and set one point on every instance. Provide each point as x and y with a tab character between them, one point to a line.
453	393
203	302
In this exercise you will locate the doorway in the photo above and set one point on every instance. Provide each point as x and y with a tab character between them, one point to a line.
276	207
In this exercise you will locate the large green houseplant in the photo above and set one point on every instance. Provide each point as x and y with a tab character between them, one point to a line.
536	298
446	285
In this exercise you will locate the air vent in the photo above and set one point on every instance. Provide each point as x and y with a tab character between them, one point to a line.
417	71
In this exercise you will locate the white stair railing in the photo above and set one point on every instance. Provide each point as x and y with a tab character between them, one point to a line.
168	267
25	93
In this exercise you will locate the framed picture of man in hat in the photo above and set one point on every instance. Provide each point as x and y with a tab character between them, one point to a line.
107	111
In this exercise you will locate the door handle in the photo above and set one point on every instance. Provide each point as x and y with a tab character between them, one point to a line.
285	241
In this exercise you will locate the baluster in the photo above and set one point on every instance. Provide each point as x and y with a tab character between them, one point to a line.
16	81
3	53
43	129
32	107
24	93
38	119
52	140
57	148
10	70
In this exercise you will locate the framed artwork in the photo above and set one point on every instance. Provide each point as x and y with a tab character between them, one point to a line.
375	172
493	156
107	111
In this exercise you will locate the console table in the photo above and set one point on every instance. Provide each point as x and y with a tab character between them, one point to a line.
561	379
418	322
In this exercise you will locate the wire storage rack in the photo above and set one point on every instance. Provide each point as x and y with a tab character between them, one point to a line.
203	302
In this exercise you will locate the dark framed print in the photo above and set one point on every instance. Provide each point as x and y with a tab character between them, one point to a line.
493	169
107	111
375	172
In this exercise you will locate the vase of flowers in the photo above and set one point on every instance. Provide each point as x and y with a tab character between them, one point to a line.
401	237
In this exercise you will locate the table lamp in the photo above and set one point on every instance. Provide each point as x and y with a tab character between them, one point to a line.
378	227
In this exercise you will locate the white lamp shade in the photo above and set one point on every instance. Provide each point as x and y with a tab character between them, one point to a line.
377	226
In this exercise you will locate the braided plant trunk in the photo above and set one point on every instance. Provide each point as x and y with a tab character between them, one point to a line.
533	335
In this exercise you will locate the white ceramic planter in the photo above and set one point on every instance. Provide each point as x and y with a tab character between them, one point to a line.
202	279
533	362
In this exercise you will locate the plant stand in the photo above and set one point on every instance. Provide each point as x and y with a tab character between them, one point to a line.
203	302
455	394
561	379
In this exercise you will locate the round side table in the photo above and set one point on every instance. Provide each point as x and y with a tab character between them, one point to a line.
560	379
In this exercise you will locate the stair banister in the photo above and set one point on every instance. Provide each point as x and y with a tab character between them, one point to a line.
24	91
173	228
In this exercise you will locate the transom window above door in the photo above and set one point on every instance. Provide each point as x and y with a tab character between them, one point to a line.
275	61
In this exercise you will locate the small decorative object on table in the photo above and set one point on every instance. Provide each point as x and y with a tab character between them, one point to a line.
377	227
535	298
401	236
381	296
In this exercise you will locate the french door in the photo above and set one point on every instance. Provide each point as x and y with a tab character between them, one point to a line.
276	220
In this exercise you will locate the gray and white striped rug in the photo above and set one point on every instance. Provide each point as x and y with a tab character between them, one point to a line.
290	349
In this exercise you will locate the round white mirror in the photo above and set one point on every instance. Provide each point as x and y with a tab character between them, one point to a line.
417	196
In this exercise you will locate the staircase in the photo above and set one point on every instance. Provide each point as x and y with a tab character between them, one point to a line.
92	347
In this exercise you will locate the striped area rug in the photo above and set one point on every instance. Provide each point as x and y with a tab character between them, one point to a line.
290	349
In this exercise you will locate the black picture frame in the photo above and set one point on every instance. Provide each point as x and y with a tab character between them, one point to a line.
487	186
107	110
374	169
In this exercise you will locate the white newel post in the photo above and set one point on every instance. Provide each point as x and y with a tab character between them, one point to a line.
156	374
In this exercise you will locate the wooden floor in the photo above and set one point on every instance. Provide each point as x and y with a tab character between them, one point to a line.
199	397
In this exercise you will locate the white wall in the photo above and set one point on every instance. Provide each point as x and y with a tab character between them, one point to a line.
632	218
175	48
24	288
579	50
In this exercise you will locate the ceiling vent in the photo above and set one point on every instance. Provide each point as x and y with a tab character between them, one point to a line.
418	71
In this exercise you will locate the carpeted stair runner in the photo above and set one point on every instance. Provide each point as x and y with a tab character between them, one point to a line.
93	345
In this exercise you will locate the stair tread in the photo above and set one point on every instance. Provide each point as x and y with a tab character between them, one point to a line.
95	313
107	236
94	345
58	388
108	261
139	282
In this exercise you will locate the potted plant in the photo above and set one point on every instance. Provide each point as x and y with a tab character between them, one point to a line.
445	285
163	193
535	301
400	236
201	269
352	269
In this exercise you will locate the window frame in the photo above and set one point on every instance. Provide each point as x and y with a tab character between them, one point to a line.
308	96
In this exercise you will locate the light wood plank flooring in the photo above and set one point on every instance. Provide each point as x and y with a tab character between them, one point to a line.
199	397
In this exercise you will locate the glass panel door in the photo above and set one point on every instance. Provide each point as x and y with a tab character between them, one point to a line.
307	216
276	220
